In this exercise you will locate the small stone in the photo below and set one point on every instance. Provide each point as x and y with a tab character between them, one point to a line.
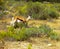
49	44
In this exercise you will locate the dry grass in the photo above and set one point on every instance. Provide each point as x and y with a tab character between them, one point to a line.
37	43
55	24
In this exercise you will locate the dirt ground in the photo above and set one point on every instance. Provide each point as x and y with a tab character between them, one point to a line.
54	24
36	43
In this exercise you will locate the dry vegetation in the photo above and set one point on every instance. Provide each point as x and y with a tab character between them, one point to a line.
37	42
41	32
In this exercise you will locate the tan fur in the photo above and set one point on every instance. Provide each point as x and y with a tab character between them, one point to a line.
20	17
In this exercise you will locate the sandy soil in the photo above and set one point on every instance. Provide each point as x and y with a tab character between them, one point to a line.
36	43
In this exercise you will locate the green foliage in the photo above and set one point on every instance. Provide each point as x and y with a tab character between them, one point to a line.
37	10
57	6
21	8
42	11
45	29
10	28
55	36
25	33
33	32
29	46
2	34
20	25
53	13
21	35
1	2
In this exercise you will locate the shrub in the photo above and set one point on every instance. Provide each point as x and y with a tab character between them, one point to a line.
29	46
25	33
42	11
35	9
22	34
45	29
53	13
21	8
10	29
57	6
2	34
55	36
32	32
20	25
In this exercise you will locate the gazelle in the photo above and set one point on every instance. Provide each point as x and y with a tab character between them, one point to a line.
19	19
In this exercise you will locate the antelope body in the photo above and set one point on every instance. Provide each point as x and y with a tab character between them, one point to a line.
19	19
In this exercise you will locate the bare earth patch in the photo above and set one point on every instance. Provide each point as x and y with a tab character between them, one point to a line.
37	43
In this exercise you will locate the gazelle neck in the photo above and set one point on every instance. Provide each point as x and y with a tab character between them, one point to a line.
28	18
12	18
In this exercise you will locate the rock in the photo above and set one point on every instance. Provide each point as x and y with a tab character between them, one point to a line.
49	44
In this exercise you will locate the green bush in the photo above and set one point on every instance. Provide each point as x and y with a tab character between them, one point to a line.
37	10
55	36
25	33
20	25
53	13
21	34
2	34
42	11
21	8
57	6
10	29
29	46
45	29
